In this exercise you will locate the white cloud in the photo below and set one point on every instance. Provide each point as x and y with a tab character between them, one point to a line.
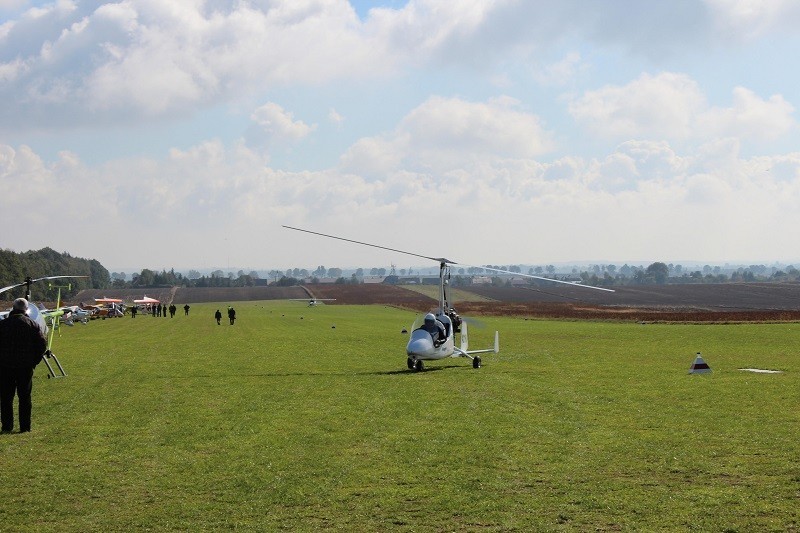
374	156
561	72
90	62
650	106
672	106
8	5
749	19
645	200
442	132
335	117
750	117
680	157
277	124
161	58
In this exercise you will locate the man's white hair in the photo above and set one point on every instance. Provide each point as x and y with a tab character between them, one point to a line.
20	304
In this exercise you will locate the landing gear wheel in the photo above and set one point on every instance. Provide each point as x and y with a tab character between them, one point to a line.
410	364
418	366
476	362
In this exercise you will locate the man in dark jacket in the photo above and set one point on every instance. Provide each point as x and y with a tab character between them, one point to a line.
22	345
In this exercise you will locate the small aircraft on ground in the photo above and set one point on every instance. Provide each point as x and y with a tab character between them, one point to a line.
73	313
109	307
42	318
312	301
433	338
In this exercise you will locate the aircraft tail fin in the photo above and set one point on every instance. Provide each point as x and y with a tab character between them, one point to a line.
494	349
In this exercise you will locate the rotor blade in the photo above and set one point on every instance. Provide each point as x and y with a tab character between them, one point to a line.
439	259
447	261
56	277
574	284
4	289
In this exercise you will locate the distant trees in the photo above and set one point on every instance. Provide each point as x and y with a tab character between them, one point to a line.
657	272
15	267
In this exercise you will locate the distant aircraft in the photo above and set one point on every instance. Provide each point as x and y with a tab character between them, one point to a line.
73	313
313	301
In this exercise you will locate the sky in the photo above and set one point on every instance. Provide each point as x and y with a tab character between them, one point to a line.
184	134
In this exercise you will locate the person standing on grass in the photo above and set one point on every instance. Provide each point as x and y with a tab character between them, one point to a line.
22	345
218	316
231	314
186	310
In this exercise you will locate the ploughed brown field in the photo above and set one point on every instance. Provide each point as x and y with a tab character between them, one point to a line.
724	302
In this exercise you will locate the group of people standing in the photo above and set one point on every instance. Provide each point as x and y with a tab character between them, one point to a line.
161	310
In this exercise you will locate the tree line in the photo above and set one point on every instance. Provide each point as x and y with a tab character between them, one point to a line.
15	267
660	273
600	275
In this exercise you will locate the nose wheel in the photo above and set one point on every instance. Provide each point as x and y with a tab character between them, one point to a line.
415	364
476	362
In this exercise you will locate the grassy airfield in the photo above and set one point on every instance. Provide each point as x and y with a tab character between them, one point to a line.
283	423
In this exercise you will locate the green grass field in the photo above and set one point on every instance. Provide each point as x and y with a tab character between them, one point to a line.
280	422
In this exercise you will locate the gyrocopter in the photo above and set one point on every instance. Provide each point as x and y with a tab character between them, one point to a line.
433	337
42	317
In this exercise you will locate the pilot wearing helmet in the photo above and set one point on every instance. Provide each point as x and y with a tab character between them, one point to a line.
435	328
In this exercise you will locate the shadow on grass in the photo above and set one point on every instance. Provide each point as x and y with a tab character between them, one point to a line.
399	372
